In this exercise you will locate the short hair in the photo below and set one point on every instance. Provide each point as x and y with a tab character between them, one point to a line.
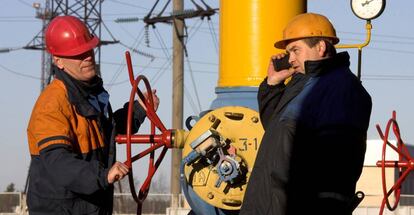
330	48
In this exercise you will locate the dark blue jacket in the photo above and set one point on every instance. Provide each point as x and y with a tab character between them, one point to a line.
313	149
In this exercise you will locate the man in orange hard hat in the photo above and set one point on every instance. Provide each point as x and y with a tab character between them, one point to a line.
312	152
71	132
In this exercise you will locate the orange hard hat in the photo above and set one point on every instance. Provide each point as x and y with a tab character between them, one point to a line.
307	25
68	36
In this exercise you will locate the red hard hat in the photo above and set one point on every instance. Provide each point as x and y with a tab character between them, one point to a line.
68	36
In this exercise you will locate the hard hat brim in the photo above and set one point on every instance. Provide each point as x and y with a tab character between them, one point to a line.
93	43
283	43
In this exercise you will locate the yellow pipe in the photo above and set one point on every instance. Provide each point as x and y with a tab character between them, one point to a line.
248	30
368	27
179	137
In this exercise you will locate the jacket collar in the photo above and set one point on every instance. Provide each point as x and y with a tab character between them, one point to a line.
312	68
315	68
87	104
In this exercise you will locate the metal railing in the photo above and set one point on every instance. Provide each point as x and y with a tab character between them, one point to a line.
155	204
13	203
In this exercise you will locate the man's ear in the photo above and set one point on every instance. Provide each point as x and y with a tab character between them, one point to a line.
58	62
322	48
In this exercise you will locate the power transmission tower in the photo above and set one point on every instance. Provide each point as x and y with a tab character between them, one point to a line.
89	11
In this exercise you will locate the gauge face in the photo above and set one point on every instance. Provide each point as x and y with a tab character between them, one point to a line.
367	9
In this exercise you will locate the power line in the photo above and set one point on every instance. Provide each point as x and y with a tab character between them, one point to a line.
399	51
160	72
194	84
19	21
121	67
163	45
25	3
197	28
123	14
213	35
384	41
386	79
379	35
19	74
15	17
192	32
156	67
391	77
129	4
127	32
190	100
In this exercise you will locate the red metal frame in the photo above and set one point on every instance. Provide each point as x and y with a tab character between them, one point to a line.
156	141
405	163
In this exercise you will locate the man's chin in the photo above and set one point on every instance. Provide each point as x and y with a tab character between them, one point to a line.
89	75
89	71
298	70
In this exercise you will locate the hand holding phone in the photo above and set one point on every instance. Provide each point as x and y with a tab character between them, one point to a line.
282	63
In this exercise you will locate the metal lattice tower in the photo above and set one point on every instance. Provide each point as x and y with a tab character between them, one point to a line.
89	11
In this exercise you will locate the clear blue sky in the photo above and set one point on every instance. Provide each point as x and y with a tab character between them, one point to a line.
387	72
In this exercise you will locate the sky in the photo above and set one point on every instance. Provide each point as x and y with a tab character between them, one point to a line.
387	72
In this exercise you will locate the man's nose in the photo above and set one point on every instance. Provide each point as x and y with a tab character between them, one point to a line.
88	58
87	55
291	59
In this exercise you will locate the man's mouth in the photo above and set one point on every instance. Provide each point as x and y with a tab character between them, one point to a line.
88	67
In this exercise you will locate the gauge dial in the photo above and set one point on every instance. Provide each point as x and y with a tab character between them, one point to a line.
367	9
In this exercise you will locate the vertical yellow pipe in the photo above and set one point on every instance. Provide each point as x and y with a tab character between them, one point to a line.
248	30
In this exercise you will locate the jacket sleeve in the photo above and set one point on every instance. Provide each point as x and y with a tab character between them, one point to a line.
268	97
60	156
121	115
68	170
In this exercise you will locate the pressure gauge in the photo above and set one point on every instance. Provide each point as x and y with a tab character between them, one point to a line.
367	9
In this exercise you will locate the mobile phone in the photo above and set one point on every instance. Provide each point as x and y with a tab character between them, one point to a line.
281	64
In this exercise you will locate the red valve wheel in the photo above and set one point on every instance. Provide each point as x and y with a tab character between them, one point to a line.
155	140
404	163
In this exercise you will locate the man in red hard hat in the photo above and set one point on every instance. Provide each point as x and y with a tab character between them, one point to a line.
72	129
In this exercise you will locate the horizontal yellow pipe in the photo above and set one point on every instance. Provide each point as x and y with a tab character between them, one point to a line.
368	27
